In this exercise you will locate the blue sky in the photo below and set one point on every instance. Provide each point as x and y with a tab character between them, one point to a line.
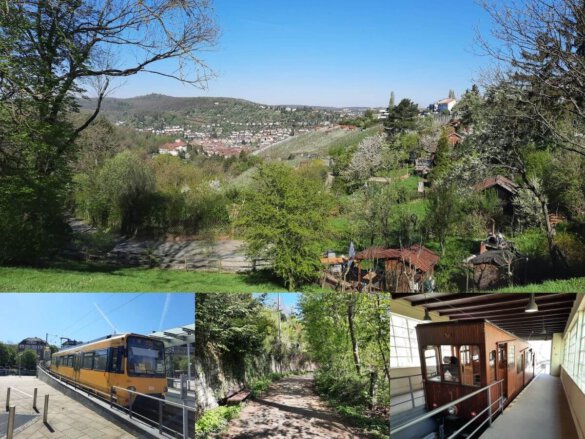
337	53
87	316
288	301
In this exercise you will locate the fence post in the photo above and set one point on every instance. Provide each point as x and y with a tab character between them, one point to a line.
35	399
8	399
160	417
411	392
10	427
46	409
185	422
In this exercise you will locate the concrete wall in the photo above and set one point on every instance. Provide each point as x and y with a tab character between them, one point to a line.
556	355
576	400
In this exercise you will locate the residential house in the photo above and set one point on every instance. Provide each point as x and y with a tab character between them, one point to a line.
173	148
446	104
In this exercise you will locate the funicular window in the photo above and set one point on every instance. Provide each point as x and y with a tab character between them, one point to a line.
87	361
529	360
511	355
70	360
492	365
430	355
100	361
469	359
450	370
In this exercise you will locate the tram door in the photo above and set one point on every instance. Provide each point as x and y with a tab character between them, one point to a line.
76	366
502	368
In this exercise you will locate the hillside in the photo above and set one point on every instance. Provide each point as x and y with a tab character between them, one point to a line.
223	115
316	142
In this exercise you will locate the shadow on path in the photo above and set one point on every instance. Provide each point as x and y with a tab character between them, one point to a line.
290	409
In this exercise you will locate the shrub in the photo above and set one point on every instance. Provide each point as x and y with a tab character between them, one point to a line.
215	420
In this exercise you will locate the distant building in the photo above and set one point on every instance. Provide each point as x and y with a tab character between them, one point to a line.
173	148
446	104
35	344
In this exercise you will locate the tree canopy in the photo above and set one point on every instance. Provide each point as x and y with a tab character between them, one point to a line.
284	220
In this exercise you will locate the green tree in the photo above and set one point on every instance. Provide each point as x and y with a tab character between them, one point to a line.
443	212
4	355
28	359
541	47
124	195
442	160
284	221
50	53
468	108
391	104
401	118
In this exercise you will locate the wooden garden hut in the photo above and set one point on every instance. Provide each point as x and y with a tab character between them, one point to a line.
404	270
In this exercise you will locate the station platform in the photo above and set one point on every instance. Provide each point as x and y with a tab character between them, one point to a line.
540	411
67	418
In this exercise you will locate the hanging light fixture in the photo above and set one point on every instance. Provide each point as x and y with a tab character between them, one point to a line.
543	332
532	306
427	317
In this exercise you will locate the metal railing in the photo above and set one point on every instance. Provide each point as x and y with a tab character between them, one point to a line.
438	410
109	397
411	391
185	409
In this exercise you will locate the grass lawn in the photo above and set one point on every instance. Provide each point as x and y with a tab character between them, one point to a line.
88	278
574	285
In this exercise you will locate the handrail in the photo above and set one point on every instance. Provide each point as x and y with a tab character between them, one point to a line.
442	408
411	390
406	376
192	409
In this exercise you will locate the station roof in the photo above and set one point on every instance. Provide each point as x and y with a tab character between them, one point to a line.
505	310
179	336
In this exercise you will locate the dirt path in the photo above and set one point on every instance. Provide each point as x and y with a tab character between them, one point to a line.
290	409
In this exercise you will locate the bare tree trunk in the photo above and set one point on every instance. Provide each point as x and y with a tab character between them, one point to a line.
354	345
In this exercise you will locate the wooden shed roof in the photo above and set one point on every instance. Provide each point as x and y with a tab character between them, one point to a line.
417	255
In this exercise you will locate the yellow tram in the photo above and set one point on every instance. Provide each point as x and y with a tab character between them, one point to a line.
129	361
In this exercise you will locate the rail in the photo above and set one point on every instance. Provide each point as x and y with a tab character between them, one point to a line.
185	409
411	391
455	402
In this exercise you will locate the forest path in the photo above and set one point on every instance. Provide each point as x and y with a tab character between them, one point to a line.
290	409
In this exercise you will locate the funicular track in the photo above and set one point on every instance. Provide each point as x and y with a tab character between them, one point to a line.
167	418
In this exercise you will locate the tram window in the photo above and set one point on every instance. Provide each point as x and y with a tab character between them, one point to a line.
70	360
492	366
87	362
100	360
117	360
430	354
450	368
469	357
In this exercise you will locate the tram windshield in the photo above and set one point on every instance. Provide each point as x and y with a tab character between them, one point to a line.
146	357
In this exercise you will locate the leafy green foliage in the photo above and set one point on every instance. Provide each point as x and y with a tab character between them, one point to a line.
28	359
401	118
343	329
213	421
284	220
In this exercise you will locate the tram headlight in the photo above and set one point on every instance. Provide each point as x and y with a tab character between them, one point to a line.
452	410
